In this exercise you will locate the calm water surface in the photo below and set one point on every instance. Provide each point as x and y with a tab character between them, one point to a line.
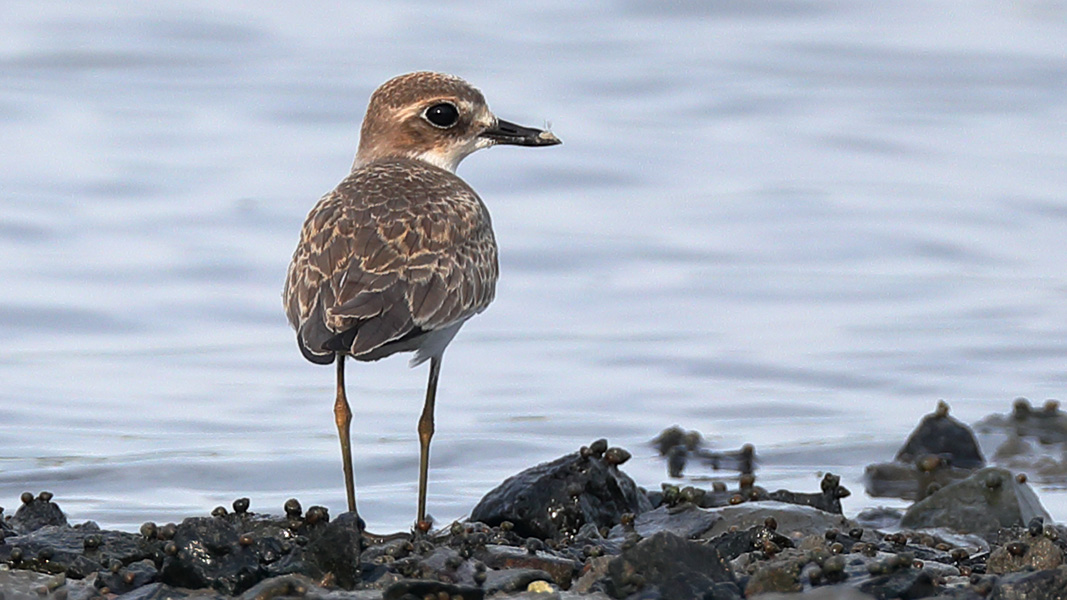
796	224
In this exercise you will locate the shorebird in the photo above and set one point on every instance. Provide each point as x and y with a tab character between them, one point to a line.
401	253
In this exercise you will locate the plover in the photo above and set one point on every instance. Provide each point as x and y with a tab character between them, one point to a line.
401	253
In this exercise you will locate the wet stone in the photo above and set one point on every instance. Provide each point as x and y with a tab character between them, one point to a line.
779	576
903	583
983	503
685	520
513	580
36	513
415	588
941	435
131	577
337	550
1037	553
735	543
560	569
162	591
209	555
554	499
678	568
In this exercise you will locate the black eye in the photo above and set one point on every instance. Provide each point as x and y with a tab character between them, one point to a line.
442	115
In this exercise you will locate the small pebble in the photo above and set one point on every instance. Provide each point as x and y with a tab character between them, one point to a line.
1016	548
167	531
292	508
317	514
616	456
240	505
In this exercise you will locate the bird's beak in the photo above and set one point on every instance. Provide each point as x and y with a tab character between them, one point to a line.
509	133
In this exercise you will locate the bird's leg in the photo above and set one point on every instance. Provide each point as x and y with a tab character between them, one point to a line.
425	433
343	415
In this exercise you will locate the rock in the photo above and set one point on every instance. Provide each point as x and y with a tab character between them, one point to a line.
981	504
829	499
336	550
735	543
678	568
789	517
1049	584
595	569
903	583
561	570
1034	553
685	520
78	550
779	576
822	593
911	481
130	577
940	451
941	435
162	591
415	588
1047	425
208	554
513	580
555	499
35	513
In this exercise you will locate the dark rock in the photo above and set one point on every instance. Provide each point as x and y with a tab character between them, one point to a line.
336	551
940	451
983	503
162	591
1050	584
131	577
904	584
66	549
36	513
678	568
789	517
911	481
208	555
556	498
685	520
735	543
1038	553
284	586
416	588
777	576
562	570
1047	425
941	435
829	499
513	580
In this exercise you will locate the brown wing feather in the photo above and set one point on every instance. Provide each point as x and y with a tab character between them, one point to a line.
398	246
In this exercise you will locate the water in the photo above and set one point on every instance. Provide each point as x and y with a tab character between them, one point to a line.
796	224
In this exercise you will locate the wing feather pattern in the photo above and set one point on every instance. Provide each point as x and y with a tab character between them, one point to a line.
398	248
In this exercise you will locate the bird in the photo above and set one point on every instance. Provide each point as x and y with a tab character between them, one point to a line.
401	253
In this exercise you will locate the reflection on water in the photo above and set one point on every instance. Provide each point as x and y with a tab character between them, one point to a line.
795	224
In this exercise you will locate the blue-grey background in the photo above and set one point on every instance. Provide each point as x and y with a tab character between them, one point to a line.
791	223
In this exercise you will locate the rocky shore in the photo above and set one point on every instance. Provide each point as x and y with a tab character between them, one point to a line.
579	527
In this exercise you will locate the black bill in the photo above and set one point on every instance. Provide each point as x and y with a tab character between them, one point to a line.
509	133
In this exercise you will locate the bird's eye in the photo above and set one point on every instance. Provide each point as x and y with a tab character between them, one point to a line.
443	115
